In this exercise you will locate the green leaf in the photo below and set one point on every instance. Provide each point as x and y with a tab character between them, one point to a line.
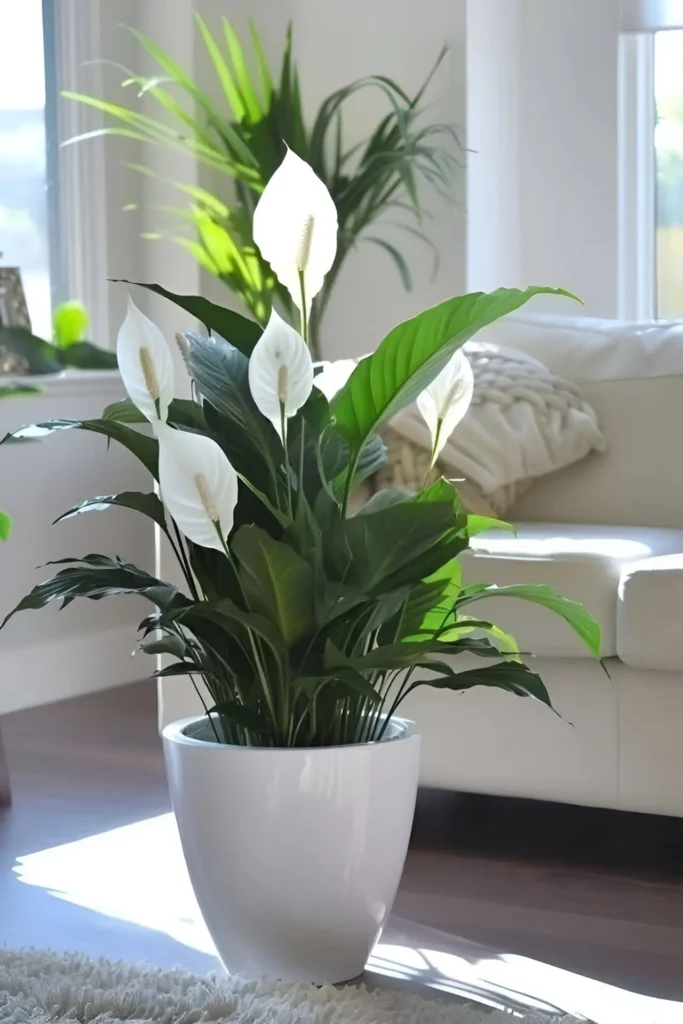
245	717
277	581
478	524
149	504
235	328
169	644
37	356
515	677
70	321
221	373
412	355
222	70
385	545
83	355
385	498
573	613
226	613
247	91
95	577
182	412
145	448
5	525
505	642
17	390
398	259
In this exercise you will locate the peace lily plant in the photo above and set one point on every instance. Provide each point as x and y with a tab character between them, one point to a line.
308	625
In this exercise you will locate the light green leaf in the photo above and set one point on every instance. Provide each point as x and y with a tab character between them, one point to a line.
478	524
573	613
412	355
5	525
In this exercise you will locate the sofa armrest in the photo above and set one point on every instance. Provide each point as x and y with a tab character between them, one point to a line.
650	613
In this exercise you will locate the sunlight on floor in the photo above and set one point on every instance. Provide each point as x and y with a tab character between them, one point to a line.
137	874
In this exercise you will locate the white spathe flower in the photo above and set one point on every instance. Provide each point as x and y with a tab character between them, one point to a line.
198	486
280	371
444	403
145	364
295	227
334	376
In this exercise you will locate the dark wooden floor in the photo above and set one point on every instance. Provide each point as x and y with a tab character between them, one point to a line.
595	894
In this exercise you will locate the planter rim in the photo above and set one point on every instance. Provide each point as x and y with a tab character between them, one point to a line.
174	732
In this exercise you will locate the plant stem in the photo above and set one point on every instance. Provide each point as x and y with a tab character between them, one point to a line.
183	561
260	671
283	431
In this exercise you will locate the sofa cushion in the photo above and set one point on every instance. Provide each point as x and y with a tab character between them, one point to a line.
649	610
585	563
632	375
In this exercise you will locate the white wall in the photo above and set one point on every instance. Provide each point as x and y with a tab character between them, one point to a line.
543	120
51	654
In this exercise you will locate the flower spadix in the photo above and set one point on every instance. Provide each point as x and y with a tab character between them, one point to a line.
444	403
198	486
280	371
145	364
295	228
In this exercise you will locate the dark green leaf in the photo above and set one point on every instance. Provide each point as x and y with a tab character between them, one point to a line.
227	614
182	412
38	356
398	259
235	328
141	445
412	355
513	676
277	581
95	577
245	717
83	355
149	504
169	644
221	373
387	546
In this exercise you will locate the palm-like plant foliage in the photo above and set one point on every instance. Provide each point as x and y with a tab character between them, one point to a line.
242	138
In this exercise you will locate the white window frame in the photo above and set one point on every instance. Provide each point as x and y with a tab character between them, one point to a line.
82	229
637	271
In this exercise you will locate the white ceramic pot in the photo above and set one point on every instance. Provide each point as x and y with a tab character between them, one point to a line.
295	855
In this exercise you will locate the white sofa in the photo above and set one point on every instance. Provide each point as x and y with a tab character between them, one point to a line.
607	532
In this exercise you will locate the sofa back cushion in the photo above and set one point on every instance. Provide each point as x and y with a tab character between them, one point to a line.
632	374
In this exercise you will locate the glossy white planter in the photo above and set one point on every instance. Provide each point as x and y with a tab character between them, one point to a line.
295	855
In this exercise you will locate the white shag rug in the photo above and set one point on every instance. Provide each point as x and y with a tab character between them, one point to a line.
36	987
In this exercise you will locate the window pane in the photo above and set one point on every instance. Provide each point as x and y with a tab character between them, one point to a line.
24	239
669	160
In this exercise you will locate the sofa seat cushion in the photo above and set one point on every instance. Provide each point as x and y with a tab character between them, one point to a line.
584	563
649	610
